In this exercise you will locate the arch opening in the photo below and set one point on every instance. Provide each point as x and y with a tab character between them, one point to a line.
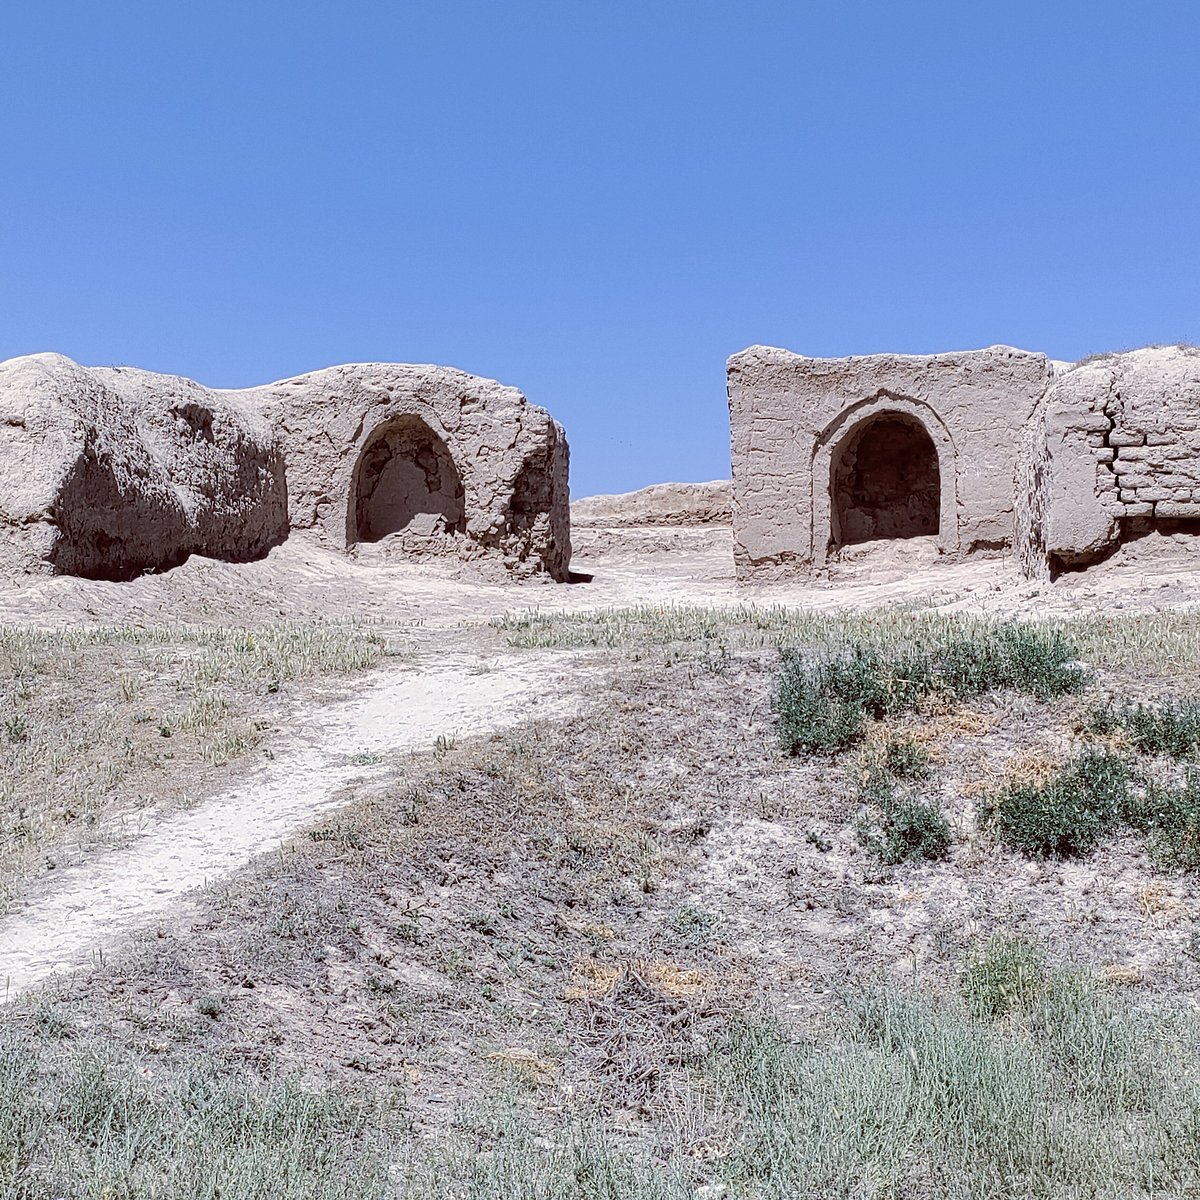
885	482
406	482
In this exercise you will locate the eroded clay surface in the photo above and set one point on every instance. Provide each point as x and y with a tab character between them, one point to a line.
799	426
110	472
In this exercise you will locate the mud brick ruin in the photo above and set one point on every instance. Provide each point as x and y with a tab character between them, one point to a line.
113	471
110	472
987	451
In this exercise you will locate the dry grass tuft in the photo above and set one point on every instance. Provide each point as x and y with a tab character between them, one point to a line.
1121	974
936	733
957	723
594	980
526	1066
1158	901
1034	765
1030	765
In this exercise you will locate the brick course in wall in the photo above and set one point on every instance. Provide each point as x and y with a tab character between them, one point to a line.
1148	460
1116	445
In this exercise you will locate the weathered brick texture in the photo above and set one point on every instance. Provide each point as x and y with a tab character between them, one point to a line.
1059	461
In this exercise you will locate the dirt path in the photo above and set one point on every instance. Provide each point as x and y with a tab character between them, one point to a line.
89	907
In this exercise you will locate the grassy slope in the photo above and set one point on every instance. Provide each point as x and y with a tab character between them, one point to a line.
97	726
634	954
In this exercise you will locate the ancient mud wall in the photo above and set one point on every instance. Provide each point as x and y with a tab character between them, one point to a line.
113	471
828	452
983	450
1112	452
446	463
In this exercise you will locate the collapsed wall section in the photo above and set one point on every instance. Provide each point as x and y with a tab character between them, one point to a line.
1113	451
113	472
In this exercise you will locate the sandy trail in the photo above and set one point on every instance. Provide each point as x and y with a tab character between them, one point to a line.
94	904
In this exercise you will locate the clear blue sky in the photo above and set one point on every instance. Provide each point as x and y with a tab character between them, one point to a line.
595	202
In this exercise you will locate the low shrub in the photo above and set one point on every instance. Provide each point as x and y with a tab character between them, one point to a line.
905	759
210	1006
693	925
902	826
907	830
1068	814
1043	664
882	770
1089	799
821	705
1170	819
1176	846
1171	728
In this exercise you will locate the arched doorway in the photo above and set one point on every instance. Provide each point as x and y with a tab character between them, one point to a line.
405	482
885	482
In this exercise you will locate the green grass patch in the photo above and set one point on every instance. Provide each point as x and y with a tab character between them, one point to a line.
900	826
1034	1083
1168	816
1171	728
906	831
92	720
1069	814
91	1125
1090	798
1164	643
1007	975
822	703
1073	1095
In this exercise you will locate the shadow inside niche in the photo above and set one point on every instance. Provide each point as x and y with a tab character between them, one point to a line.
579	577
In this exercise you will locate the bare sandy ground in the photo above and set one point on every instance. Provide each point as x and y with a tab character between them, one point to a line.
81	911
617	567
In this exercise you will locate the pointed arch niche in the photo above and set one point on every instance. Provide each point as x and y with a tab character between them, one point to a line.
884	468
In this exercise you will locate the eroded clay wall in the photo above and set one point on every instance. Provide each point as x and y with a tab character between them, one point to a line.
790	416
109	472
1115	448
113	471
510	458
